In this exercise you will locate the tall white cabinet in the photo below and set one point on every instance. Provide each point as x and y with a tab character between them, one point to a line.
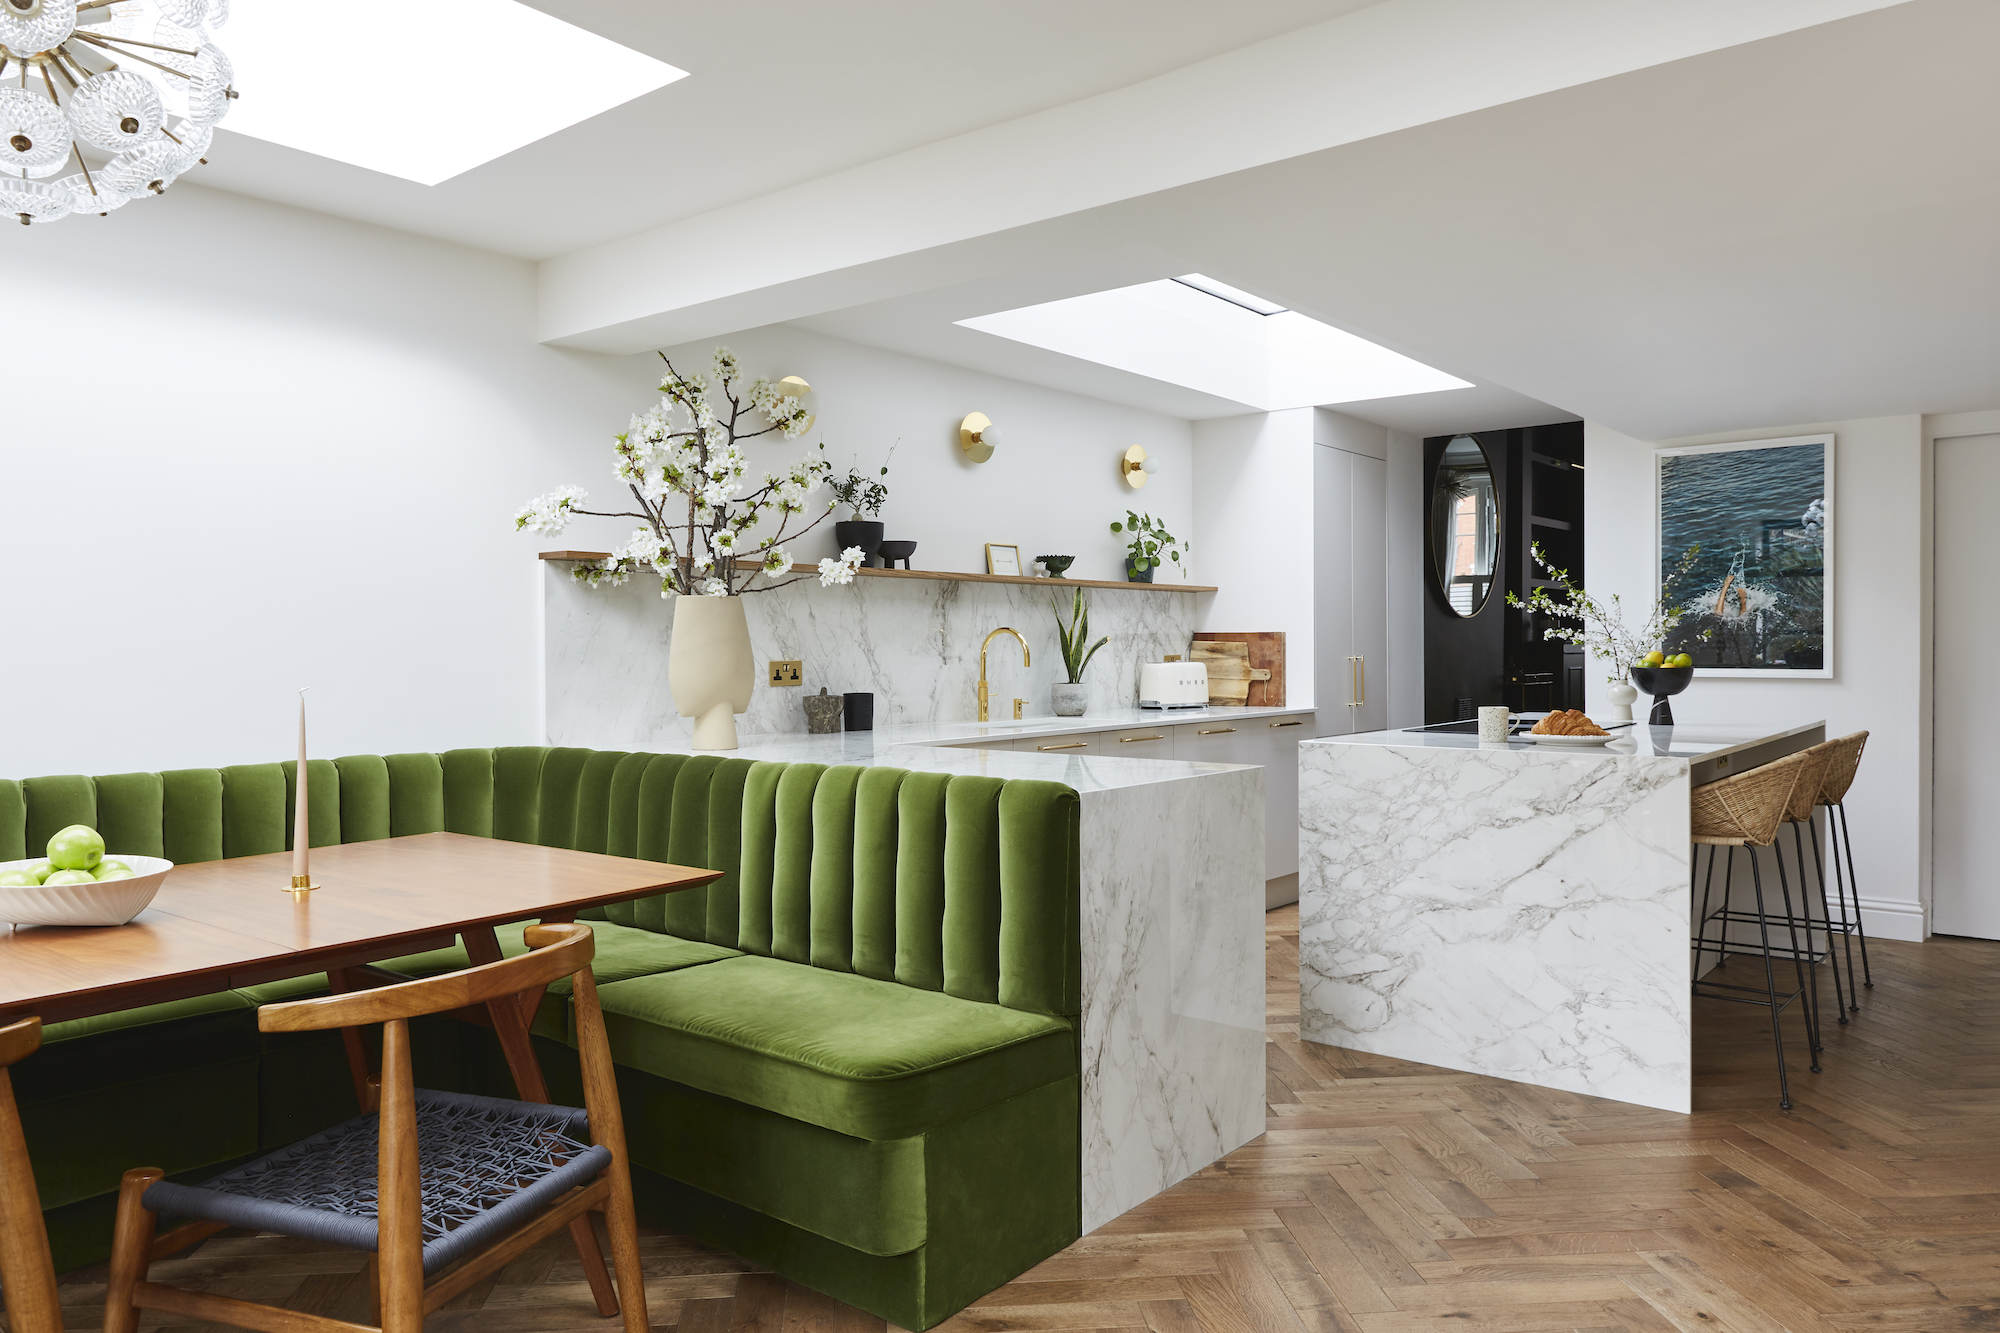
1350	585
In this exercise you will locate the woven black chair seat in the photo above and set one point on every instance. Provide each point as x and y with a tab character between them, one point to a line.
487	1166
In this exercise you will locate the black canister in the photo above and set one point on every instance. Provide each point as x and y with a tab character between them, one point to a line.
859	714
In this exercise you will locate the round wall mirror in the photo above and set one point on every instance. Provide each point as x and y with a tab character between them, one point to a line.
1465	525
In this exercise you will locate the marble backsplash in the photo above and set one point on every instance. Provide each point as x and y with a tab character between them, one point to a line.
913	643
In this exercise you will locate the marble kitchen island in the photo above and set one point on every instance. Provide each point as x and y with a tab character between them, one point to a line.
1513	910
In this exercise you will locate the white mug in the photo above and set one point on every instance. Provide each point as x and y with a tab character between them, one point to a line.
1494	723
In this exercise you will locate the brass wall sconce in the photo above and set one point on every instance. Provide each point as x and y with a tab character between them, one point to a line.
1136	467
794	387
977	435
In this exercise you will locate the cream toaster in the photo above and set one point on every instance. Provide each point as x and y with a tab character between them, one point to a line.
1173	685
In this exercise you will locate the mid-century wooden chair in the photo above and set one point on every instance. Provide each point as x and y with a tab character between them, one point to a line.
26	1273
445	1188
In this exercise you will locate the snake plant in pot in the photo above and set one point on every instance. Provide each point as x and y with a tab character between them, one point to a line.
1072	698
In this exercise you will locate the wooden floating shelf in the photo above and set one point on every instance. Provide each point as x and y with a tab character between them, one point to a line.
949	577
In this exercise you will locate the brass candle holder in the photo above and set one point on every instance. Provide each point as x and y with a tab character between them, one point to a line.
302	884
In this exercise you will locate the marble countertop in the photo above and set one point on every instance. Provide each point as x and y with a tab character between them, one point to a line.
1698	743
953	747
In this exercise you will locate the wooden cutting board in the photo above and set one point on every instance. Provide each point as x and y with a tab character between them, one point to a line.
1265	653
1229	671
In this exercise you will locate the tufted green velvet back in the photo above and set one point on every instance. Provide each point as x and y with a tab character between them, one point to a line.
962	884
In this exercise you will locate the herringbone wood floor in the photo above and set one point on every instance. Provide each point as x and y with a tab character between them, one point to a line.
1389	1197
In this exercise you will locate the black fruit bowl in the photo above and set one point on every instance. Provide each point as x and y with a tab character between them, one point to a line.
891	552
1663	683
1056	564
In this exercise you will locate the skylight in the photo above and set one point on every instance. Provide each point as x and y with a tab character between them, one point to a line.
1234	295
430	88
1205	335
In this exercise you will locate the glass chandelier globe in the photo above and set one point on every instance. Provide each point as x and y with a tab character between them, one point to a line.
104	101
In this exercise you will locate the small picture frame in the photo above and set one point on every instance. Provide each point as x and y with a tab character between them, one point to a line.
1003	559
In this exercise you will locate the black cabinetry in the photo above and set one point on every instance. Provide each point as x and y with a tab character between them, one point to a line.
1498	654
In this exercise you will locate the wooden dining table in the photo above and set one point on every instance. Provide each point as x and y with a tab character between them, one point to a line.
225	924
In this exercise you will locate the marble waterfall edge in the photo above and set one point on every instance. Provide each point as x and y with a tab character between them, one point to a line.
1510	912
913	643
1172	937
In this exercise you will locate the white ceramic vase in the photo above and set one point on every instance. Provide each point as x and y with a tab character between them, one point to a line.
1070	699
1622	696
709	669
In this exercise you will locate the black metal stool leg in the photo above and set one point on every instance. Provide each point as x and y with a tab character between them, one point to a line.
1805	902
1770	981
1839	896
1808	976
1854	887
1701	921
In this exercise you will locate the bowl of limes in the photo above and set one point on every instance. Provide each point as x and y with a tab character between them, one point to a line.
76	884
1662	675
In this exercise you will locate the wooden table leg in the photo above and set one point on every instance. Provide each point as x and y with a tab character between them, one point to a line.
511	1018
367	1087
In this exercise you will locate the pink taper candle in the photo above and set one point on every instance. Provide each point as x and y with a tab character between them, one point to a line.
301	830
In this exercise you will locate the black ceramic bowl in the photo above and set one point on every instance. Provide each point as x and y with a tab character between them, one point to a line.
1056	564
891	552
1662	683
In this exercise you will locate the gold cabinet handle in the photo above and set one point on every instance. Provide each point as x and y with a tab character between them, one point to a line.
1361	672
1215	731
1134	740
1073	745
1293	723
1353	684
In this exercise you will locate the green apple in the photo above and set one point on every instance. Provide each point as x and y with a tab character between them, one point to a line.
17	879
70	877
41	870
76	848
109	869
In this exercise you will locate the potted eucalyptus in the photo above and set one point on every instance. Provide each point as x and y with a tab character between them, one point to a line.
1149	542
864	497
705	529
1071	699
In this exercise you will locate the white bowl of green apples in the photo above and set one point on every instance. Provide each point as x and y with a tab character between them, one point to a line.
76	884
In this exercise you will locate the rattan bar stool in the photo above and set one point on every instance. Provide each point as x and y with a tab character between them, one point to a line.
1747	810
1833	785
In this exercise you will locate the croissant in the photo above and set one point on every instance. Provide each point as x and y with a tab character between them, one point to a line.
1568	722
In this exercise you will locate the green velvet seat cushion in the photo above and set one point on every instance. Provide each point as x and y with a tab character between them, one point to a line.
872	1059
623	952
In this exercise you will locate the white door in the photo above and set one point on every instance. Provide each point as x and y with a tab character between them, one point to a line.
1965	848
1334	669
1368	595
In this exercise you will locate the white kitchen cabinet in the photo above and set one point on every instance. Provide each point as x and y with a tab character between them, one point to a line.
1350	592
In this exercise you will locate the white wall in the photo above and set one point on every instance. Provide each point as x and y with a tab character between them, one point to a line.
1253	499
1051	487
249	448
1881	644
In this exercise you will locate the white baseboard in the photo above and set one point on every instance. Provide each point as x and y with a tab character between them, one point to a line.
1281	891
1893	919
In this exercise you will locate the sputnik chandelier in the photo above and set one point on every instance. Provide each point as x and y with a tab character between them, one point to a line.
121	94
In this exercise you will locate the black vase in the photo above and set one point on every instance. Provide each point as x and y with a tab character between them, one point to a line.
865	533
858	712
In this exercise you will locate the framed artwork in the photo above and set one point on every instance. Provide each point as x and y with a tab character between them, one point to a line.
1758	596
1003	559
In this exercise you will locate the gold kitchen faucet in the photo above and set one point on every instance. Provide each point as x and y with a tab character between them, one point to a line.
982	667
